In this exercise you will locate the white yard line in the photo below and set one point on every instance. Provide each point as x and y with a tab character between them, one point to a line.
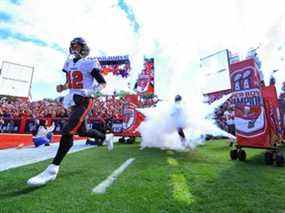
101	187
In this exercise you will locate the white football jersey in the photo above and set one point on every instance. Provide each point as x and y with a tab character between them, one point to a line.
79	76
178	115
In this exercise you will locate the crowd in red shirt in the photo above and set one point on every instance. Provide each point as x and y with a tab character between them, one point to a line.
23	116
106	110
220	114
18	115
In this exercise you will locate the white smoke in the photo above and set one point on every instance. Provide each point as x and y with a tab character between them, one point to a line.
159	129
182	32
272	52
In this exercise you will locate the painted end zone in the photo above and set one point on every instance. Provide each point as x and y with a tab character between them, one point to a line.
14	140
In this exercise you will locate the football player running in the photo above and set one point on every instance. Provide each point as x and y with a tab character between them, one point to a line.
178	116
80	74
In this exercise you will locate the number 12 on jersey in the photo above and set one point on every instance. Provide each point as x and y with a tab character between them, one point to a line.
75	80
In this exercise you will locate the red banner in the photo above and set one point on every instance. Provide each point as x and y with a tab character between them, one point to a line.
133	99
145	82
250	115
272	111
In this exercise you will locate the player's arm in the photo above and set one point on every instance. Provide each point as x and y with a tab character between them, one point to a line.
99	78
62	87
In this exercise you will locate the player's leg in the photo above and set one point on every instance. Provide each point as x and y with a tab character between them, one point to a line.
183	138
75	121
96	135
90	133
66	142
181	133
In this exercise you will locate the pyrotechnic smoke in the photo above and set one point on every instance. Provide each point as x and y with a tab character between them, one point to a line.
159	130
181	34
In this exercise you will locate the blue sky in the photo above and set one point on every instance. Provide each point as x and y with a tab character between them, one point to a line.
17	2
176	33
7	33
5	16
130	14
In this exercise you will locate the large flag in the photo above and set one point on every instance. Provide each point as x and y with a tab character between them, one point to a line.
145	81
252	128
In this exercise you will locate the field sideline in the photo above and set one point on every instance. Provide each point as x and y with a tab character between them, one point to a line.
204	180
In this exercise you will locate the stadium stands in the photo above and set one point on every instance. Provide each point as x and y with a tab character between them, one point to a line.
18	115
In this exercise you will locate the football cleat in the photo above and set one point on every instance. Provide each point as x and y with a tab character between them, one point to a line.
109	141
49	174
185	143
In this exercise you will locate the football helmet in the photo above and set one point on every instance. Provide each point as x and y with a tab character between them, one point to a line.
178	98
79	48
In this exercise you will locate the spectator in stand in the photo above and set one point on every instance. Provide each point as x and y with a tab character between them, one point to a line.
1	121
31	125
19	112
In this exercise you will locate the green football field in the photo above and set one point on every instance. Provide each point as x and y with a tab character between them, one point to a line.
204	180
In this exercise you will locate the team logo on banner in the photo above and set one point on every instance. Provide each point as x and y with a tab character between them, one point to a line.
142	83
145	81
249	106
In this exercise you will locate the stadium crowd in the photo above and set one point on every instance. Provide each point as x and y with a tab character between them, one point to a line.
18	115
224	116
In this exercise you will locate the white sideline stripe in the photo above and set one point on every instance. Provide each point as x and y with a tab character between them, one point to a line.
12	158
101	187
